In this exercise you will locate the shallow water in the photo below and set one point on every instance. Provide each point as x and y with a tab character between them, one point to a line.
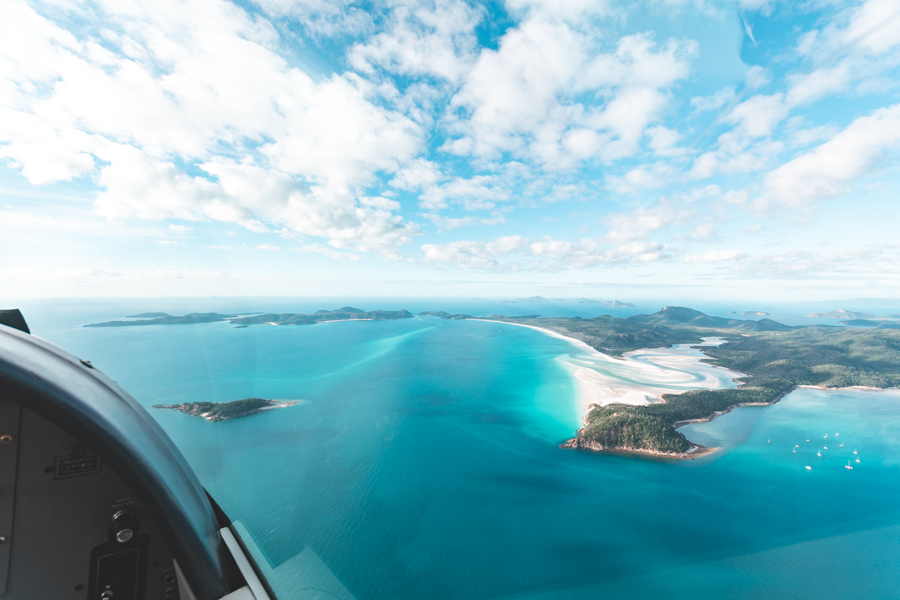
425	465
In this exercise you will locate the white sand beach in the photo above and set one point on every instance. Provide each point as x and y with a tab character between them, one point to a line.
639	377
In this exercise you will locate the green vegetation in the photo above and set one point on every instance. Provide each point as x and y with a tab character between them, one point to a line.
339	314
443	315
346	313
775	357
222	411
166	320
229	410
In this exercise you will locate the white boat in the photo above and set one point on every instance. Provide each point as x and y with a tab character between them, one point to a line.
857	460
770	441
819	453
855	452
825	447
837	434
795	451
807	440
842	445
826	435
796	445
848	466
808	468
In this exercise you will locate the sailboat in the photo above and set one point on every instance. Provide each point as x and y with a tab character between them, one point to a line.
770	441
848	466
819	453
855	452
837	434
796	445
794	450
857	459
826	435
825	447
808	468
842	445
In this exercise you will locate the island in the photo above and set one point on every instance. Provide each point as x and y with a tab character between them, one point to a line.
165	319
223	411
346	313
443	315
775	359
841	314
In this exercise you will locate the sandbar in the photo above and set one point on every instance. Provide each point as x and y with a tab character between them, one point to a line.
641	376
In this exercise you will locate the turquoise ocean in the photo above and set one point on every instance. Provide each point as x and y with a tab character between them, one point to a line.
424	463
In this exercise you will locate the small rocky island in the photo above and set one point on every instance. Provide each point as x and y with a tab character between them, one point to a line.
223	411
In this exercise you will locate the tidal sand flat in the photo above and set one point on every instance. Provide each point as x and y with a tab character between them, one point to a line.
642	376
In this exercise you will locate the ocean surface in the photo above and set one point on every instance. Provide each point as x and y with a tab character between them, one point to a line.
424	464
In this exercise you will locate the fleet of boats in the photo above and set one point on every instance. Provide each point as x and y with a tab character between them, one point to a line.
848	466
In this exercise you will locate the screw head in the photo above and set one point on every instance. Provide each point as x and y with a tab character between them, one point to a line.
6	438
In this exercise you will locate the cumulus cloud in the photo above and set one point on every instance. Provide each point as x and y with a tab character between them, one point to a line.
517	253
829	169
136	103
715	256
437	40
517	99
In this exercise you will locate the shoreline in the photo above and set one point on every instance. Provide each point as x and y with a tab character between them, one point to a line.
694	452
616	390
622	392
631	379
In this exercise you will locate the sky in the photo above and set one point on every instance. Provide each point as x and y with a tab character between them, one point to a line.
589	148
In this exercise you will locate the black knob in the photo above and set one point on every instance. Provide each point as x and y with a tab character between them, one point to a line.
124	526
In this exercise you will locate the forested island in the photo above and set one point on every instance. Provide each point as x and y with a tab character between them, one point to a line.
346	313
776	358
223	411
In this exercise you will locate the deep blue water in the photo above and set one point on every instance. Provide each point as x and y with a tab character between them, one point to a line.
424	464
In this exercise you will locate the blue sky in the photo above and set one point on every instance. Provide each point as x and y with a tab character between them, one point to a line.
586	148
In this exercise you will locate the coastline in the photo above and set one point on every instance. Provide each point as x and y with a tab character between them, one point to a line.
659	368
638	377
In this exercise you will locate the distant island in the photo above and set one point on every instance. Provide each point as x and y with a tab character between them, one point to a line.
223	411
755	313
529	300
841	314
346	313
542	300
776	358
165	319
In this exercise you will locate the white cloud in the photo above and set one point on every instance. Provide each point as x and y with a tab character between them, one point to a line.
329	252
179	228
448	223
481	192
715	256
717	100
807	87
163	90
517	98
828	170
516	253
874	26
437	40
758	115
571	10
642	178
268	247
